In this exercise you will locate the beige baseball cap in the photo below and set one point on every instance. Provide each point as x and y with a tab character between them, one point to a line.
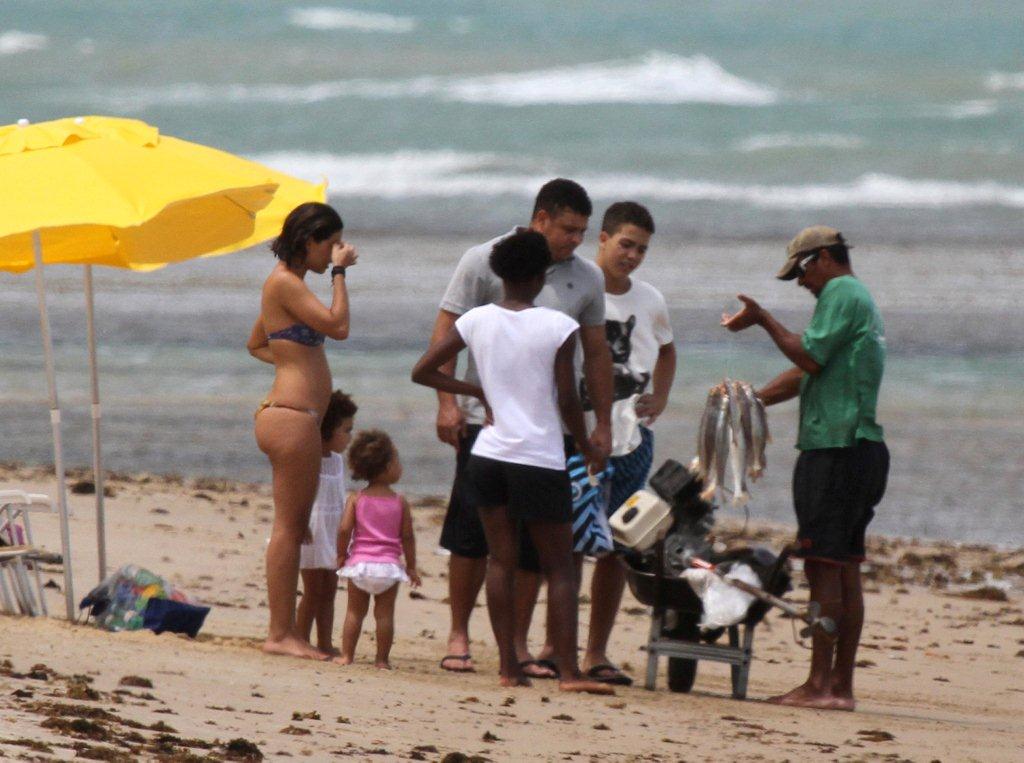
806	241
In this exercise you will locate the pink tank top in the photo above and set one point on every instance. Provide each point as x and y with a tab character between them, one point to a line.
378	532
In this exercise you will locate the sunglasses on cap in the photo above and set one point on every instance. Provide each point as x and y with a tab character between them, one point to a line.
801	265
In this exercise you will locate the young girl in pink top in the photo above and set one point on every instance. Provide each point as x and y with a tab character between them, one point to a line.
375	533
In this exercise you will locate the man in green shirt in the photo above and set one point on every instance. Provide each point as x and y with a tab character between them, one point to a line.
843	466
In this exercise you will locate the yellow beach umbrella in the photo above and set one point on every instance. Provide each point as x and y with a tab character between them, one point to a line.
108	191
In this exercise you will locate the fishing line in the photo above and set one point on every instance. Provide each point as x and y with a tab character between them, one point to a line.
732	344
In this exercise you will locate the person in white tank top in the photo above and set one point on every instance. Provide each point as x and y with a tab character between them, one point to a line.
524	355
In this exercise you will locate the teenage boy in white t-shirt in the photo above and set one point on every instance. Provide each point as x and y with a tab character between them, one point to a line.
644	359
516	471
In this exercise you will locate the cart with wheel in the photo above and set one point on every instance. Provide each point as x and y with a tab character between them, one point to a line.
675	632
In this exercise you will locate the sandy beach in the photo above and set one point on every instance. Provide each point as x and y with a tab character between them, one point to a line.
939	670
432	126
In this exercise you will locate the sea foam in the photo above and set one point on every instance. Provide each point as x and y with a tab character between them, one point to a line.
783	141
411	174
656	78
21	42
999	81
974	109
653	78
322	18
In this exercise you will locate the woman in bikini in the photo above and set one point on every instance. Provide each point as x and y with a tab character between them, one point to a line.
289	333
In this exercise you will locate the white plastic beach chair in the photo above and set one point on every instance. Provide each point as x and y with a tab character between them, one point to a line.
16	591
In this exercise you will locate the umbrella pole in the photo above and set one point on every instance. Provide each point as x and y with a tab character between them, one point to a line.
97	455
58	450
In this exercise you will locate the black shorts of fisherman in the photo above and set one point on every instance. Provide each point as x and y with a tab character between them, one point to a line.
835	491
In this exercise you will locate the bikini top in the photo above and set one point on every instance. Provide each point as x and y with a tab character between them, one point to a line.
301	333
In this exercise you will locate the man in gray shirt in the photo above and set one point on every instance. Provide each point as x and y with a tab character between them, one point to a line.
573	286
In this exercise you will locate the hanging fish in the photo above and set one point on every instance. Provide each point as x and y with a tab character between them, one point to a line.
731	441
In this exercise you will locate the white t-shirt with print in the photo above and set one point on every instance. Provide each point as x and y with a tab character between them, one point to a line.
636	326
515	354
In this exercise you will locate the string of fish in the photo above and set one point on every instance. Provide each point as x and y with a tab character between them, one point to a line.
731	441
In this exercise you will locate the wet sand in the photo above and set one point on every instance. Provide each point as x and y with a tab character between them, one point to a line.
941	660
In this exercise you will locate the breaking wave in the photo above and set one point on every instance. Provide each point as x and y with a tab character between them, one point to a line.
975	109
781	141
653	78
21	42
1000	81
321	18
412	174
656	78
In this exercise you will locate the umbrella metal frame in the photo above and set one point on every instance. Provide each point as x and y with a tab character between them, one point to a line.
58	449
97	414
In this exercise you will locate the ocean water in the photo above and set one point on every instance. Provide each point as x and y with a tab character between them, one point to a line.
435	122
730	118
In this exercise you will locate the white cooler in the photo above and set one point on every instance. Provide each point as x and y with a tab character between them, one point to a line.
641	520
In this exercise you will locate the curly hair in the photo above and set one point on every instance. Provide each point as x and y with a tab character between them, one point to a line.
370	453
521	257
311	221
339	408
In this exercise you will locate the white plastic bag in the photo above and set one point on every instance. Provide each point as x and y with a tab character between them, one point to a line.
723	604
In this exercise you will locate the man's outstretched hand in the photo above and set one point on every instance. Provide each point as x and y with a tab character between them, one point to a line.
749	315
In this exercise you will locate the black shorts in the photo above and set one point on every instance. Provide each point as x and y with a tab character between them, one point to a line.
531	493
835	491
462	533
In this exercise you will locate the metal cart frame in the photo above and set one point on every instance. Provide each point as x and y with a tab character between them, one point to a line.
738	654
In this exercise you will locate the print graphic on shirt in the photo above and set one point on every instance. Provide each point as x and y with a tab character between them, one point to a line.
627	381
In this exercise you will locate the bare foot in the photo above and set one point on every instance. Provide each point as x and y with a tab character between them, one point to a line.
805	696
510	682
582	686
385	665
343	659
292	646
843	703
331	651
842	699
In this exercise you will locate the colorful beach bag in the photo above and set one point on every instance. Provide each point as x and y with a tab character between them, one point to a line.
133	597
591	534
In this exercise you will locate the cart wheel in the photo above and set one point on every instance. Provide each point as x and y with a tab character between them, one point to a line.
681	674
681	671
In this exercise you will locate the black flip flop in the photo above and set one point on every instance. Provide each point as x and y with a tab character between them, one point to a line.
462	658
546	665
617	677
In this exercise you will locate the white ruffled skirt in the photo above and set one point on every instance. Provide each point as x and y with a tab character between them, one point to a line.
374	577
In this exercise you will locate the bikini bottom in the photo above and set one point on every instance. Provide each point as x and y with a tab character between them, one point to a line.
271	404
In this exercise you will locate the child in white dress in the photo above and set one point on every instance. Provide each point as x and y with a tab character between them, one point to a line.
319	552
